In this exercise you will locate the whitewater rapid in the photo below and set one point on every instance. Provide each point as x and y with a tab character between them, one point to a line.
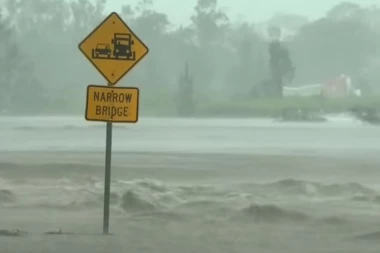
185	185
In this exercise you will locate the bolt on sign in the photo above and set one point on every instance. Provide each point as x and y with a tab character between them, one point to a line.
112	104
113	48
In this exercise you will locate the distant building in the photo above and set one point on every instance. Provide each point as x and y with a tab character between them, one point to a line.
339	86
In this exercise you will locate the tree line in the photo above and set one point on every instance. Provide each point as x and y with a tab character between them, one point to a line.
41	68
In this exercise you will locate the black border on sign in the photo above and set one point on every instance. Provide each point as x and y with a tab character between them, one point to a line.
133	65
119	88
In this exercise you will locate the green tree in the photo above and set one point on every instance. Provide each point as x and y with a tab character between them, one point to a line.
281	67
210	26
19	90
209	22
185	97
53	29
250	66
340	43
151	27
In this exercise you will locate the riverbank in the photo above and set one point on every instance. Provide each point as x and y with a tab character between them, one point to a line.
265	107
274	107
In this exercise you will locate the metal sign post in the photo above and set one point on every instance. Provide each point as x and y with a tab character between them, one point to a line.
107	179
113	49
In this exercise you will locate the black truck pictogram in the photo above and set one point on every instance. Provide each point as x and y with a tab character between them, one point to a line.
121	48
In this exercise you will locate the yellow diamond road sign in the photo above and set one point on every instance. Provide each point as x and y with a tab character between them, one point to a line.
112	104
113	48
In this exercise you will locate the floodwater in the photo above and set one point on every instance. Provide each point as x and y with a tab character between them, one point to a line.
191	185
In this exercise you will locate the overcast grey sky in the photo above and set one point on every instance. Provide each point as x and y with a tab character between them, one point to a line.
179	11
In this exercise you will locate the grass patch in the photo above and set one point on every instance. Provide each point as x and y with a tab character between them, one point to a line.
274	107
163	104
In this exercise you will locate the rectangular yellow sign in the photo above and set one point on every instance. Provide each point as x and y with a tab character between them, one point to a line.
112	104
